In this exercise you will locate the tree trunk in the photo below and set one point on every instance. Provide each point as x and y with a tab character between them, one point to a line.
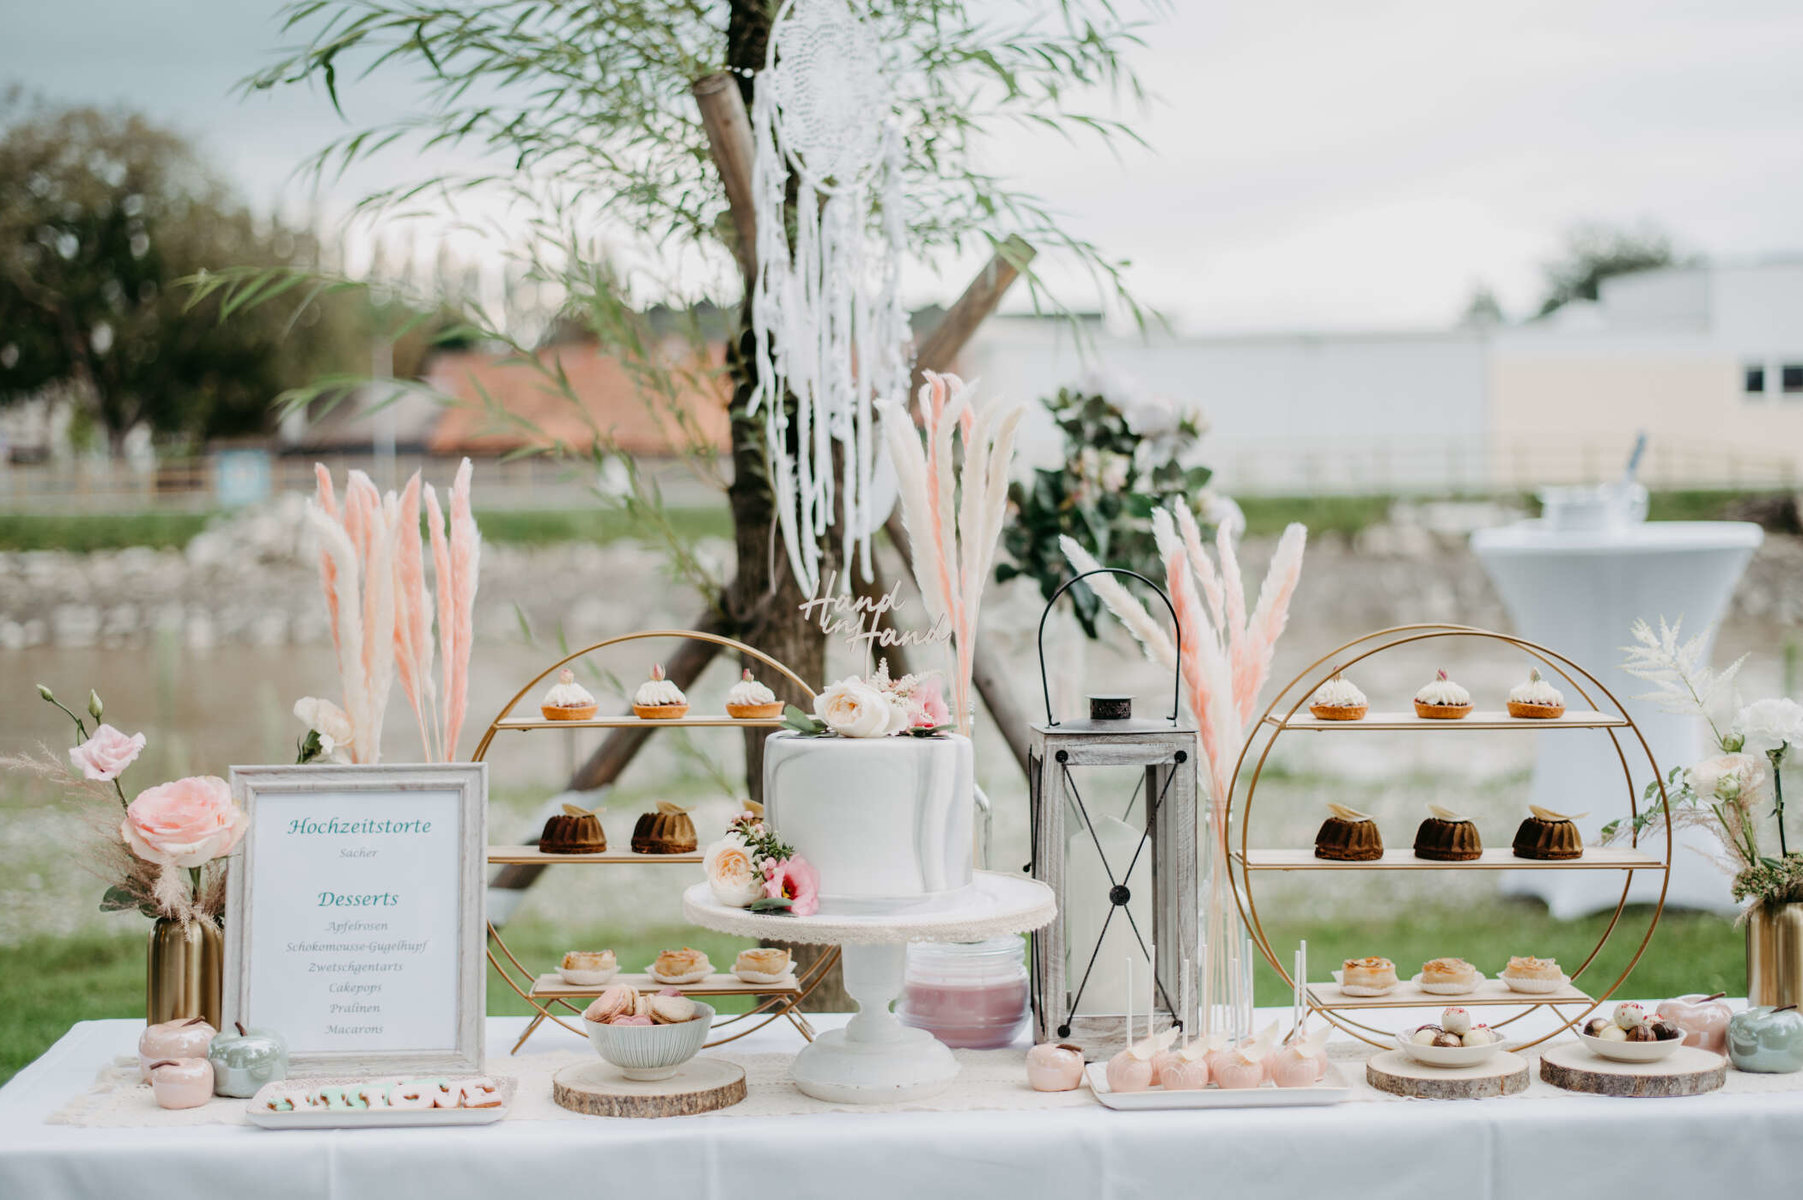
763	602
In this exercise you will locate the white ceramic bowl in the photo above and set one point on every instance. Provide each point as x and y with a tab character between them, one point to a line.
651	1051
1447	1056
1630	1052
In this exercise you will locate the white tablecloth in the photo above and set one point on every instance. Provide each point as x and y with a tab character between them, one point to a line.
1586	1148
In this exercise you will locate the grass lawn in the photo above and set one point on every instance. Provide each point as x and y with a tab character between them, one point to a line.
46	985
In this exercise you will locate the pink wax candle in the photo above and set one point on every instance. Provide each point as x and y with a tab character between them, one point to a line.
969	995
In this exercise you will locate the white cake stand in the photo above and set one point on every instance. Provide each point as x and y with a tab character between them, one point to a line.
876	1059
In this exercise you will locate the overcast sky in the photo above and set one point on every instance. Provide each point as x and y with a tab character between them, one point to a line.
1313	164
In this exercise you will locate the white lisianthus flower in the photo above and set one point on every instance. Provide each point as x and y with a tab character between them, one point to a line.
1770	725
330	723
1726	777
732	875
853	708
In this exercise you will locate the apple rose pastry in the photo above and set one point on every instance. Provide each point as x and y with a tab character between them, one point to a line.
681	966
766	964
1367	976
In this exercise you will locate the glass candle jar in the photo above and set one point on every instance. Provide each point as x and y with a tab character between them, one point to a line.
969	995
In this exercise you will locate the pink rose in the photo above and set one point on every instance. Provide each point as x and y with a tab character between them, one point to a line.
185	823
107	753
926	707
796	880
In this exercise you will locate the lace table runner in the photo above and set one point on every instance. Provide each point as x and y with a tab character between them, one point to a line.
989	1080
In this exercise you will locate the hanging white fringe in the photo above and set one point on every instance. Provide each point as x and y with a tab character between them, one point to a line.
826	311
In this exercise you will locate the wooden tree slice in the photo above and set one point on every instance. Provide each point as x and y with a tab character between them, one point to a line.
1395	1072
597	1089
1688	1072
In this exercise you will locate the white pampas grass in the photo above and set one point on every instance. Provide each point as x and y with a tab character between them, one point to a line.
1146	629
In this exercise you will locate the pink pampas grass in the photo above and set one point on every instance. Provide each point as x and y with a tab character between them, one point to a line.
373	576
953	515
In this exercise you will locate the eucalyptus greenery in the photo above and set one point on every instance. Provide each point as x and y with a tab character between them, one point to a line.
582	118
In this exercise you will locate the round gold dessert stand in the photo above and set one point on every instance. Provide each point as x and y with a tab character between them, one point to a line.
552	999
1288	712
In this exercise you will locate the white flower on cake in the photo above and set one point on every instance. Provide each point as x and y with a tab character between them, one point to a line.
657	691
853	708
1767	726
732	873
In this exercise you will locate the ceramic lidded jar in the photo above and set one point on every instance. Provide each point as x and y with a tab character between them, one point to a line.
181	1082
188	1038
1704	1020
246	1059
1767	1040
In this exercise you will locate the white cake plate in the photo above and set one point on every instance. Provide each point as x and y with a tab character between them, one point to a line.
876	1059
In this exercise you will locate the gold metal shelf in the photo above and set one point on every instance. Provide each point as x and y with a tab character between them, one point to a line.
1328	996
533	855
552	986
1499	719
1596	858
522	724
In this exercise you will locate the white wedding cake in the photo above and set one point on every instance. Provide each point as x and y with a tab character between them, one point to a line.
887	821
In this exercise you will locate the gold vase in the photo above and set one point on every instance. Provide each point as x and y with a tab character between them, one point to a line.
185	971
1775	954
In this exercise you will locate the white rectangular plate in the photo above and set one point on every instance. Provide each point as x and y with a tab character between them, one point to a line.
377	1118
1331	1090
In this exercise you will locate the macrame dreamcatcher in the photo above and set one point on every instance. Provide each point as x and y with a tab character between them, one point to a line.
826	309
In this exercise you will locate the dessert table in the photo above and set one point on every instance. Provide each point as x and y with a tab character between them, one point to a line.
1543	1145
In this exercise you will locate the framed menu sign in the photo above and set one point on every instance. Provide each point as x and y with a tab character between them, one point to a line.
354	917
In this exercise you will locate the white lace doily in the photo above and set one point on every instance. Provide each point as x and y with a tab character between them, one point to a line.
994	905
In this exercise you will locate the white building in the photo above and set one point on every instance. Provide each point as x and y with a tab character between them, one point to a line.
1707	360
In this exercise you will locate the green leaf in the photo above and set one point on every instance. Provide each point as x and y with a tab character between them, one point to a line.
771	904
800	722
117	899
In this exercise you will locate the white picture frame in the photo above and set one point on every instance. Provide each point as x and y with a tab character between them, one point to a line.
314	951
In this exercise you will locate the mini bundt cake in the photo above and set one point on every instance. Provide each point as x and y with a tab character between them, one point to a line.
1447	837
573	831
1348	835
664	830
1548	835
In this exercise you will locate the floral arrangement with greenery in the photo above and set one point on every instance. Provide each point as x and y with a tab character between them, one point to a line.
1726	793
166	857
1123	457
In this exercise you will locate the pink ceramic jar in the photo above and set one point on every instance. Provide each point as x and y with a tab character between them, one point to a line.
969	995
181	1082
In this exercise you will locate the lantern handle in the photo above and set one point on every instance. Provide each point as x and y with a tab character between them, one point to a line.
1045	685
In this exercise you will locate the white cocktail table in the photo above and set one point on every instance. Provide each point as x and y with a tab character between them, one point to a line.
1578	591
876	1059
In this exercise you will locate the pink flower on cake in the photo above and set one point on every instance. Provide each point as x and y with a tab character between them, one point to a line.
186	823
926	706
853	708
107	753
794	879
732	876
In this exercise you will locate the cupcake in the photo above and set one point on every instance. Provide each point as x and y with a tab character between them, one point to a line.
1528	974
1442	700
1338	700
658	699
666	829
682	966
1536	699
1547	835
1367	976
567	700
750	700
588	968
1449	977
